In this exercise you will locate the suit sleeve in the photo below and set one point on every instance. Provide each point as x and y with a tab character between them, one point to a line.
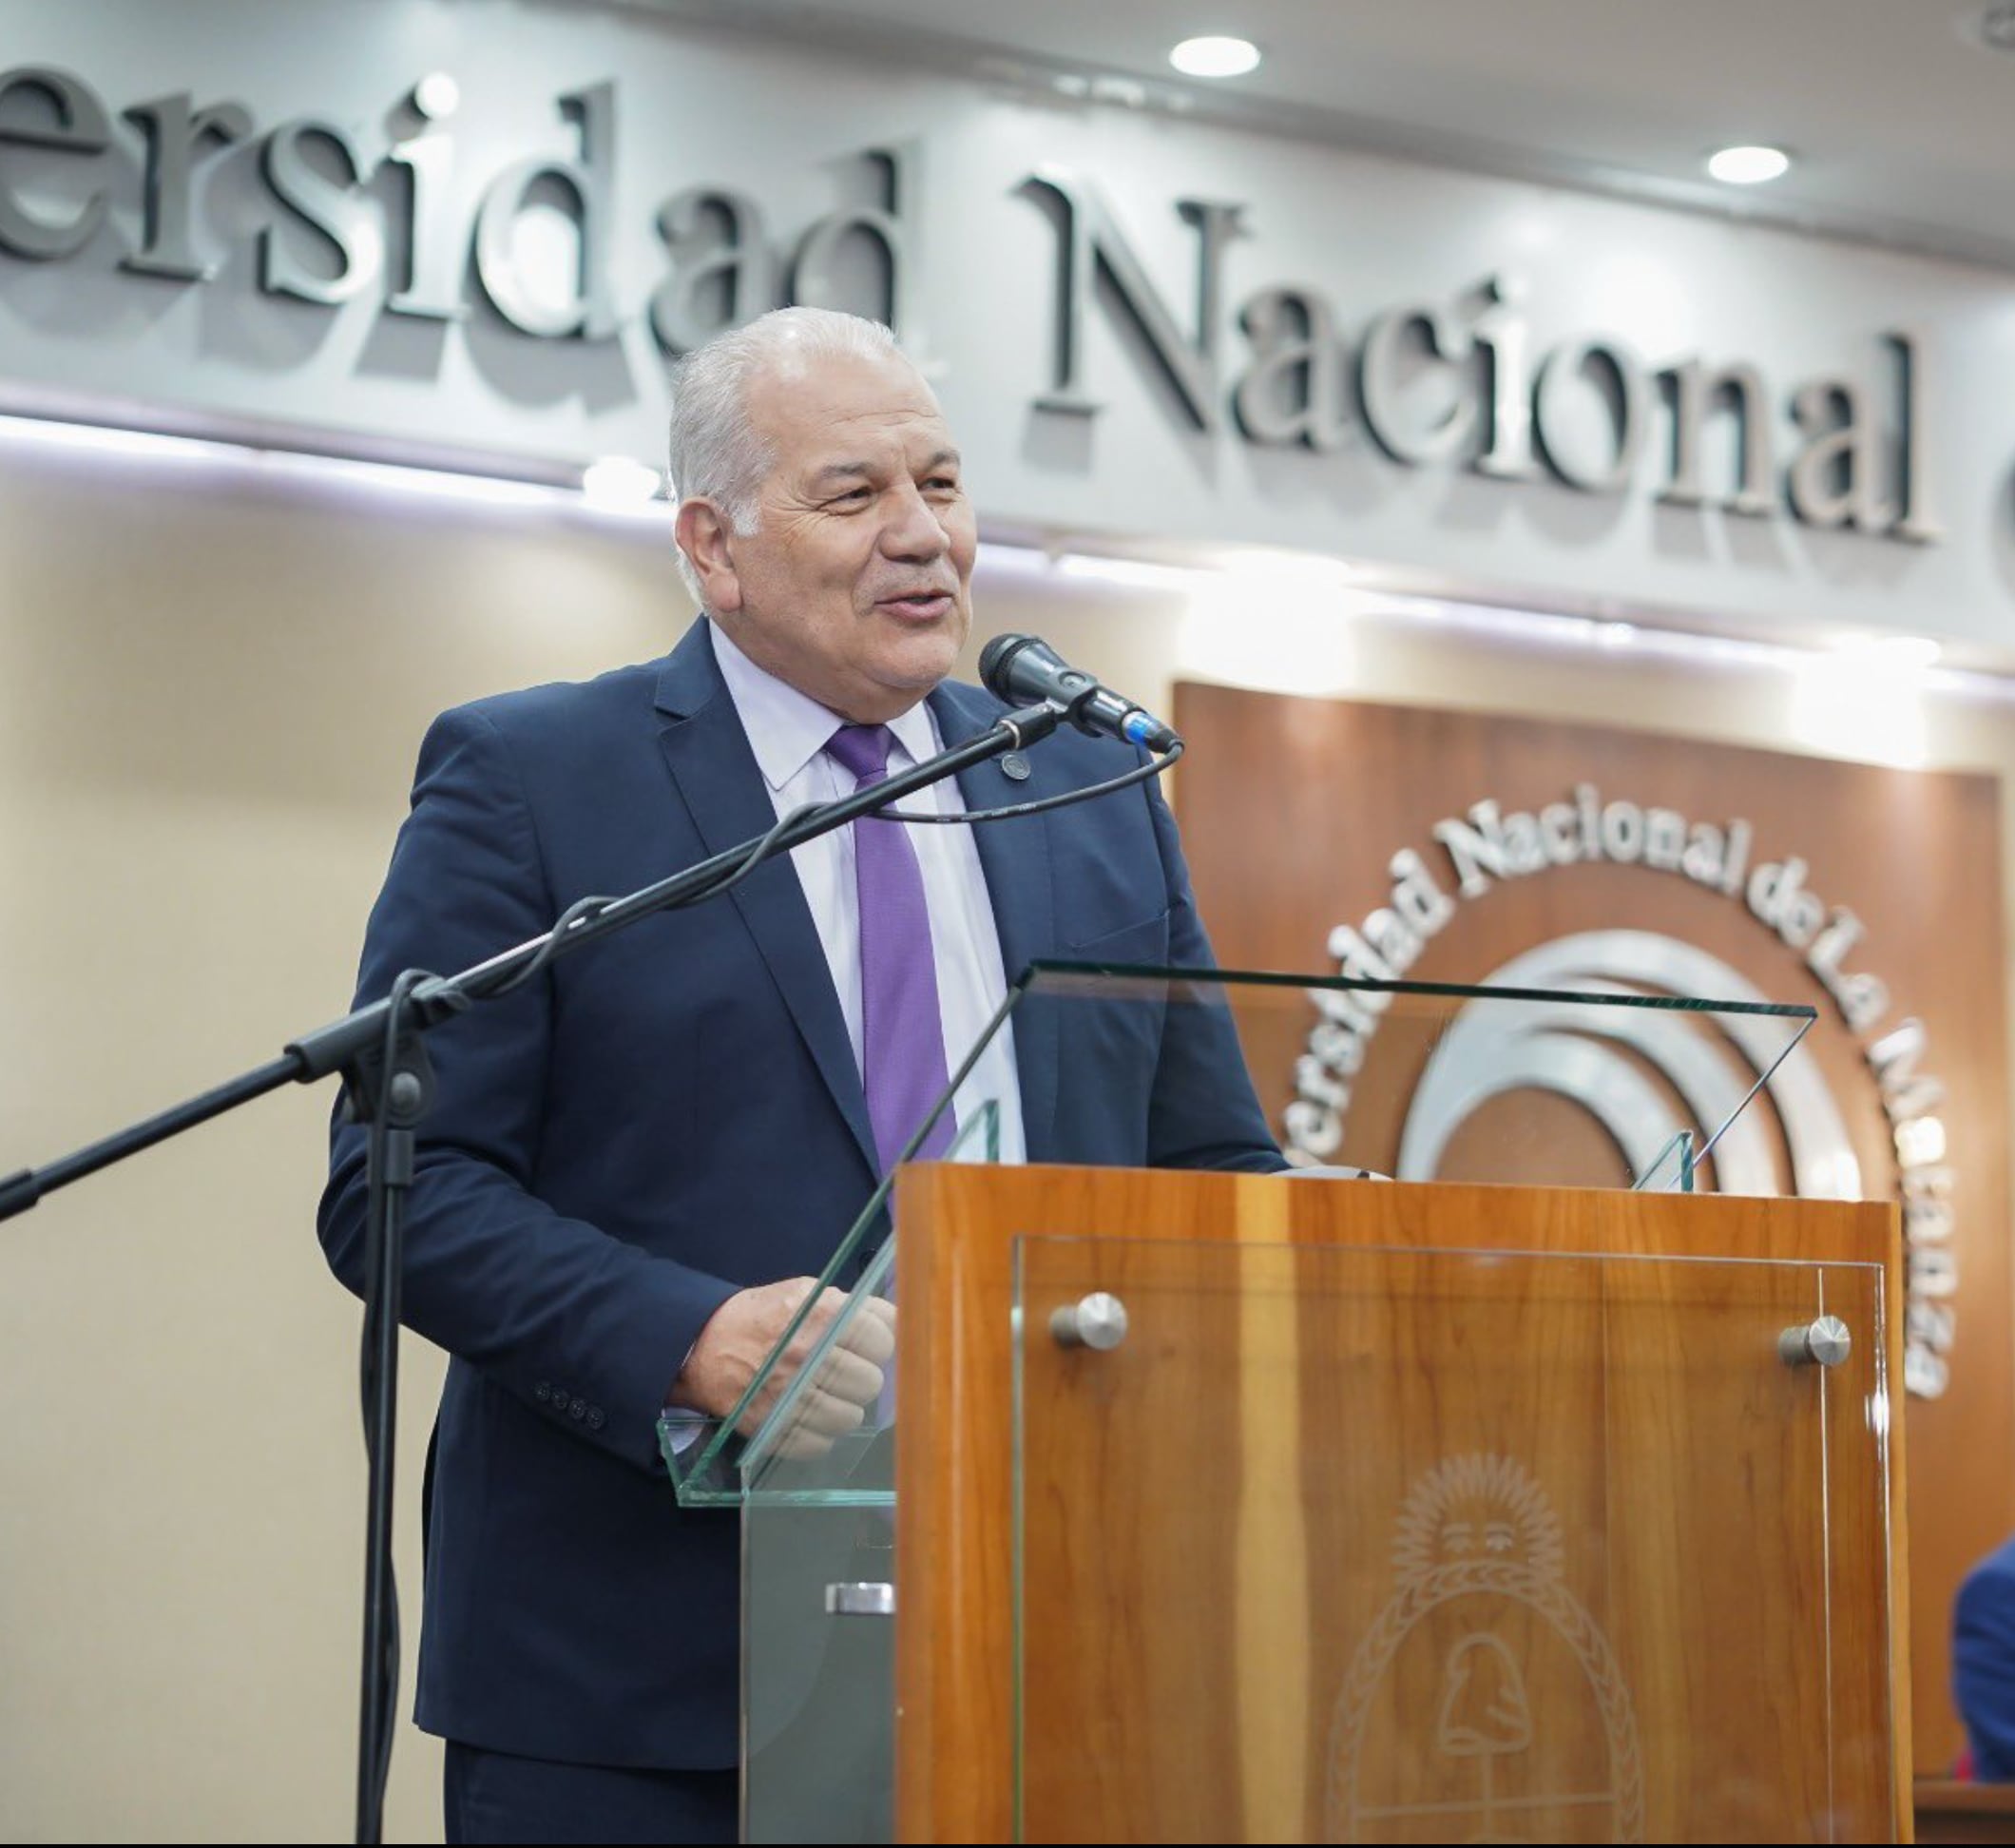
1984	1671
1203	1113
586	1328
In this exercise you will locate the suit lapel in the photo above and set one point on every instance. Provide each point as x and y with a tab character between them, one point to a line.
1014	855
708	754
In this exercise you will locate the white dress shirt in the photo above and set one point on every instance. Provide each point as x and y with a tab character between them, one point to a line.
788	731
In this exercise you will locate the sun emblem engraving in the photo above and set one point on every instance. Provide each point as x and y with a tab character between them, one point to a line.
1477	1678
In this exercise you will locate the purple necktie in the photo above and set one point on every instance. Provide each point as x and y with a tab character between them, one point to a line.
902	1033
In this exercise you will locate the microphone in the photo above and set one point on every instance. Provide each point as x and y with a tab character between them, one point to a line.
1025	670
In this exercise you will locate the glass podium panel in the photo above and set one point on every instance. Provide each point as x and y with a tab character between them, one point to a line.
1349	1544
1598	1087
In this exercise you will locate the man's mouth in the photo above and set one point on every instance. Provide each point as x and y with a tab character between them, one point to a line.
919	605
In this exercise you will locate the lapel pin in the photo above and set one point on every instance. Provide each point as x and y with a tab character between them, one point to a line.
1014	766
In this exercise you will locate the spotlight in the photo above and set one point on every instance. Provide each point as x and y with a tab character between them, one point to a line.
1215	57
1749	167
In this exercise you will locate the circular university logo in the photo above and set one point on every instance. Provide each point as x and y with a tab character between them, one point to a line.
1643	1075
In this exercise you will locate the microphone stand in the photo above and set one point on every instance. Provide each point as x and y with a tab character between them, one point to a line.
388	1082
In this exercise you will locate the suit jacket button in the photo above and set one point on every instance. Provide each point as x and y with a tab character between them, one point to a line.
578	1409
541	1392
596	1418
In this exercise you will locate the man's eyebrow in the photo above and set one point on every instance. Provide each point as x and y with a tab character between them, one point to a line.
838	471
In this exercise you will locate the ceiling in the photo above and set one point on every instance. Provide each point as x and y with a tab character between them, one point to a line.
1900	113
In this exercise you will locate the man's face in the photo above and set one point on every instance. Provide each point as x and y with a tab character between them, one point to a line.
855	587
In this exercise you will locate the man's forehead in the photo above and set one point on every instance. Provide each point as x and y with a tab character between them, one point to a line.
844	391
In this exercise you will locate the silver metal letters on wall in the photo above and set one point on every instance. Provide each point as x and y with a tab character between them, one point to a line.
1460	381
472	233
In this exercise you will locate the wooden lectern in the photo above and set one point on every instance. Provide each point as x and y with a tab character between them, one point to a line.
1247	1508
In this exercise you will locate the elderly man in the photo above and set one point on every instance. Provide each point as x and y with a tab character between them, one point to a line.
637	1166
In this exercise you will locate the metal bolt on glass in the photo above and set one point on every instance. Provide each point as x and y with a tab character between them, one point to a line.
1098	1321
1824	1342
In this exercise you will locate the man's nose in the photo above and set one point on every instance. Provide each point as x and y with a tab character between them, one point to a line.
912	531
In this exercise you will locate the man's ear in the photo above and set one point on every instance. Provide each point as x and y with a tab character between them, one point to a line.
702	536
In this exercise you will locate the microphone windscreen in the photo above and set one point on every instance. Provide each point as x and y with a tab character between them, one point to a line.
994	658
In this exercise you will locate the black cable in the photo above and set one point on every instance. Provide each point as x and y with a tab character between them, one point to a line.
756	855
576	912
1154	767
767	845
582	909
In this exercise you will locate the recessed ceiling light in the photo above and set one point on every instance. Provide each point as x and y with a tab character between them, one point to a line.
1215	57
1748	167
437	95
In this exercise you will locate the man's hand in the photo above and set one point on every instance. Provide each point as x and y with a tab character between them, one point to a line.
744	1330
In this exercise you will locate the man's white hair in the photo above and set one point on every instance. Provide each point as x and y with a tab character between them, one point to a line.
715	452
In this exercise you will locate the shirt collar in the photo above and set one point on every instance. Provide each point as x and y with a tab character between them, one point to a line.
787	728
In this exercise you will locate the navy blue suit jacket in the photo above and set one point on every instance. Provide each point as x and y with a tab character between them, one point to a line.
1983	1663
669	1117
